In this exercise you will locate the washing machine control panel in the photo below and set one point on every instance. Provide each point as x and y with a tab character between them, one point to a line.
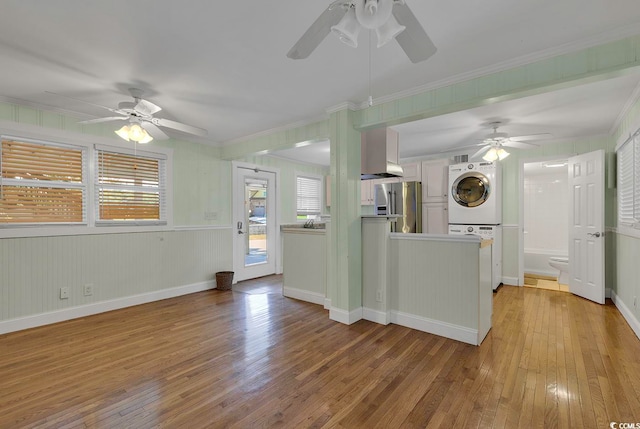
481	166
481	230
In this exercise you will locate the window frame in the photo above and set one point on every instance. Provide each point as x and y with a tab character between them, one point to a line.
88	142
162	186
311	176
83	186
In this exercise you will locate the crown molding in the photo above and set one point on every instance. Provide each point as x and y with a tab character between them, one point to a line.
601	39
342	106
263	133
631	101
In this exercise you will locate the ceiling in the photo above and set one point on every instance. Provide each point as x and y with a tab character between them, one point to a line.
222	66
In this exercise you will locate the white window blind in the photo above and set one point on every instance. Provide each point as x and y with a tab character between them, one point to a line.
130	187
308	195
42	183
628	182
625	184
636	179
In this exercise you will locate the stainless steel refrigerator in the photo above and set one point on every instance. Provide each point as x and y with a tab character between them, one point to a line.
403	199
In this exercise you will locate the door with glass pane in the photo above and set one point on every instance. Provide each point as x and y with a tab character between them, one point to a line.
254	224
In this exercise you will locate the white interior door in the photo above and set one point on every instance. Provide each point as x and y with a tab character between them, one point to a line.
586	226
254	223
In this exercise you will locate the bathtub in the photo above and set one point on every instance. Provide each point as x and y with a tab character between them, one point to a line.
536	261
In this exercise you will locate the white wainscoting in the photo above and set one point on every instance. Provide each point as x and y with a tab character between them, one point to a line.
304	257
437	284
124	269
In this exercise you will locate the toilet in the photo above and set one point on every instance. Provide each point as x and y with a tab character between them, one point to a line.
561	263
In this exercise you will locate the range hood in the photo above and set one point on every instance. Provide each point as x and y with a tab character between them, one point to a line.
380	154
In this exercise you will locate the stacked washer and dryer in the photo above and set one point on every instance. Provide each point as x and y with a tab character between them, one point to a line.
475	206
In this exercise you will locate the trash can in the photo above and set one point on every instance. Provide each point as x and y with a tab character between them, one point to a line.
224	279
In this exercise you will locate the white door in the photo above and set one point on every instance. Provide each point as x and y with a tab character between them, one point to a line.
586	225
254	223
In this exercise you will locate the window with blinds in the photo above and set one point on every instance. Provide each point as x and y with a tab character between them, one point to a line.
308	196
129	188
628	182
42	183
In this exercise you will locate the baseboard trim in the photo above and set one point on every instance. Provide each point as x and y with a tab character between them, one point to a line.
608	292
447	330
377	316
346	317
303	295
547	273
626	313
327	304
62	315
512	281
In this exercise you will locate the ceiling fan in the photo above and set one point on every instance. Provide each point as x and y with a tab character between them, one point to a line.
493	144
389	18
141	123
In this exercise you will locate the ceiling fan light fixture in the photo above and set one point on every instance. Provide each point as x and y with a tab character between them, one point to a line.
123	132
134	132
502	154
388	31
491	155
348	29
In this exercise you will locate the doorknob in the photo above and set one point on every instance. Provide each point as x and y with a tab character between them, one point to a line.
595	234
239	225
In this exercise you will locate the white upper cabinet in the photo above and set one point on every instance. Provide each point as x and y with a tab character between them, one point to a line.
435	181
411	172
366	191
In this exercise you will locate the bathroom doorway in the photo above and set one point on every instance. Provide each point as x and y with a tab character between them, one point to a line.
545	224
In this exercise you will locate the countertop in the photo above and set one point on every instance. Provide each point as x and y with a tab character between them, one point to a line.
317	228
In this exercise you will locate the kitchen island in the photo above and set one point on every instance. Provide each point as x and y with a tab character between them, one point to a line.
435	283
304	262
439	284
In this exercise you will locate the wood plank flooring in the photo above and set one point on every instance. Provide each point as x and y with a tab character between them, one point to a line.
221	359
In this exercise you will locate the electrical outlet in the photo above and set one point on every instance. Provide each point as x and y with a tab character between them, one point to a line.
64	293
88	289
379	296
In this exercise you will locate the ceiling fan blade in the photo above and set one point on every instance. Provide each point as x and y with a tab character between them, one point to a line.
459	148
480	152
531	137
85	102
146	107
318	30
180	127
98	120
414	41
519	145
153	129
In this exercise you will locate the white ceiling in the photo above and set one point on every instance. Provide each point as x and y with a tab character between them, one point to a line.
222	66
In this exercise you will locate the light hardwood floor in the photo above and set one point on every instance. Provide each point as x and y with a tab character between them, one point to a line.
238	359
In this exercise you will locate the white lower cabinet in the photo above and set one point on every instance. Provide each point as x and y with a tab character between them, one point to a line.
366	192
435	218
